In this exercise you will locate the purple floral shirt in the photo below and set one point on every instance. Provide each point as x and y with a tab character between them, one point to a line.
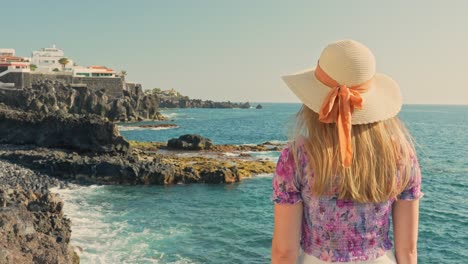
338	230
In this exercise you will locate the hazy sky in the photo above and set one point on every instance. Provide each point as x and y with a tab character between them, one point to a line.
237	50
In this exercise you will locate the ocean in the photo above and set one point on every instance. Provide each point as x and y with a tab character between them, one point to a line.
233	223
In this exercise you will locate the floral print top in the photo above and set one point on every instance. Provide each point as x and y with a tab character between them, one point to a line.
336	230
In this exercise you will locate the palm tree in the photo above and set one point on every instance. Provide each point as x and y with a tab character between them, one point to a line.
33	67
123	73
63	61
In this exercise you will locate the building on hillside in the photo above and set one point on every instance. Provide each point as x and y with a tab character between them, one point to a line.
10	63
47	60
171	92
7	52
93	71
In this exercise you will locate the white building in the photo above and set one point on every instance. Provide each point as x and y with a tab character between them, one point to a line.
47	60
171	92
93	71
10	63
7	52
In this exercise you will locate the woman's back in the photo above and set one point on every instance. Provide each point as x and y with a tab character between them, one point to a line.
349	165
335	229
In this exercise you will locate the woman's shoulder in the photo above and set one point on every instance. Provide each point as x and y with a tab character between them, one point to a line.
296	152
295	148
297	143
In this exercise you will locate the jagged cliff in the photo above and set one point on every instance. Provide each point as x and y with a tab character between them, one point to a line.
33	228
47	96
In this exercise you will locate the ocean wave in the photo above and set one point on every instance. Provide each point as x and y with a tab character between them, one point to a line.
101	234
98	240
231	154
264	175
170	115
265	155
261	155
278	142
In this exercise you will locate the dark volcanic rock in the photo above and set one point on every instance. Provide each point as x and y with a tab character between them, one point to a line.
34	236
221	175
33	228
88	133
89	168
52	96
79	168
259	106
190	142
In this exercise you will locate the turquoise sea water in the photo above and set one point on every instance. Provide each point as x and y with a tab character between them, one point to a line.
233	223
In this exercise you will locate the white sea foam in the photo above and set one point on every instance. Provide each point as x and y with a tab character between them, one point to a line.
231	154
170	115
99	238
264	155
264	175
248	144
101	241
278	141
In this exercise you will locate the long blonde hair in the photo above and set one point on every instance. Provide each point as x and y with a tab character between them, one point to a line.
380	166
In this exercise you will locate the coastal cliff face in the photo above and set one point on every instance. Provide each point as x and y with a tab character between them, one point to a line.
48	96
87	133
33	228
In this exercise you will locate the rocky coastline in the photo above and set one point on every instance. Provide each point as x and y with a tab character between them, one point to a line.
185	102
40	150
33	228
173	99
134	104
56	96
145	163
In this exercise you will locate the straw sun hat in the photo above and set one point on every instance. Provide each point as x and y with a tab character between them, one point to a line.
345	88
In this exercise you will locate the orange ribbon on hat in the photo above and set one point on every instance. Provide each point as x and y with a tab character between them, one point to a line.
338	106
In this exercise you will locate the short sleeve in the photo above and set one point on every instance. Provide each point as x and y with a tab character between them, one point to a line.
412	191
286	189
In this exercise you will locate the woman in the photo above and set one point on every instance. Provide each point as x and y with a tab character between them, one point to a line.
349	165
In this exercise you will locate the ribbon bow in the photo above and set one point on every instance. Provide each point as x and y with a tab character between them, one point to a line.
338	106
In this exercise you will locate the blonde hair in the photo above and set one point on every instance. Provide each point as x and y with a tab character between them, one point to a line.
381	163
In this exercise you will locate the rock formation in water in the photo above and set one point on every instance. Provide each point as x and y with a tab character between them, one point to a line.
189	142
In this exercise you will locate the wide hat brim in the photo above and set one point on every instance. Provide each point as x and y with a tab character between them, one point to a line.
382	101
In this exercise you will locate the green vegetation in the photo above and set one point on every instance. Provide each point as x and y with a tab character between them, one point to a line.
33	67
63	62
55	70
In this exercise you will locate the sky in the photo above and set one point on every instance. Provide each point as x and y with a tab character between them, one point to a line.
238	50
